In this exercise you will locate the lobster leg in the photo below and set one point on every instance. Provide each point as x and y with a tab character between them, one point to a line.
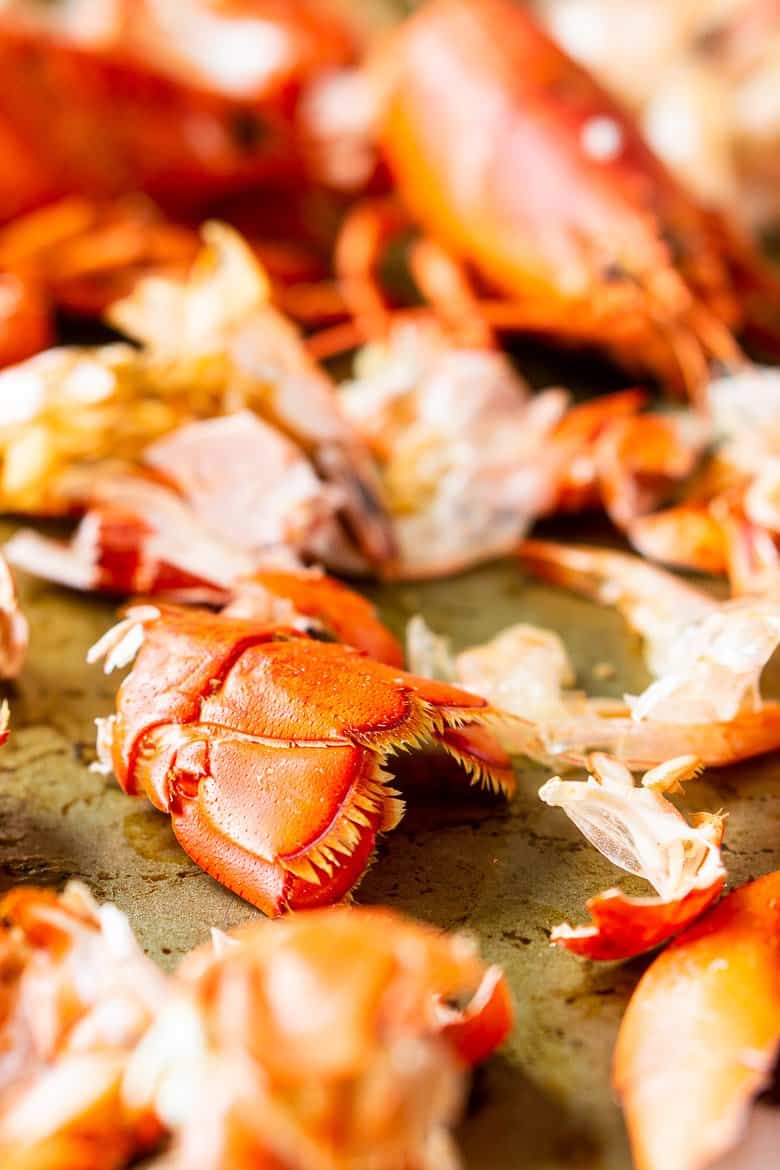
679	348
446	286
440	277
364	234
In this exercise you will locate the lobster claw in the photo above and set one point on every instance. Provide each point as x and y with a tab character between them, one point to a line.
268	748
714	996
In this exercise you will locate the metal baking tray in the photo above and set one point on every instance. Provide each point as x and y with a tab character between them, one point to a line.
507	873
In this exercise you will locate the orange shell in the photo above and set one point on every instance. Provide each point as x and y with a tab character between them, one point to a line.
516	160
701	1033
624	927
267	749
348	616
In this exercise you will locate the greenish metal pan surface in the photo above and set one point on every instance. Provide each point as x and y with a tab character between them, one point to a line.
506	873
